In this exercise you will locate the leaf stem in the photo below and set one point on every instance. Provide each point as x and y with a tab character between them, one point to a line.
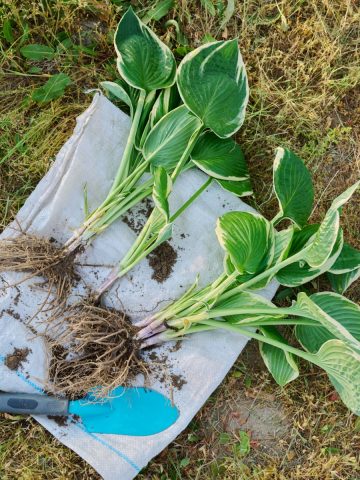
123	169
261	338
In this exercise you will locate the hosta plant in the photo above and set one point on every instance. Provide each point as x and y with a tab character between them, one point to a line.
326	325
165	128
194	134
212	84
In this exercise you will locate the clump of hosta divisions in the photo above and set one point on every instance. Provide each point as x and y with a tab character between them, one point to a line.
40	256
96	353
188	125
326	325
180	119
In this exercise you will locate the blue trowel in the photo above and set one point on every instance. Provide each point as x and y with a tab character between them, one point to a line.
126	411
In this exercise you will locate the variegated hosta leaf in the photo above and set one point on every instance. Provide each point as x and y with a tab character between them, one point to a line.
144	123
280	364
169	138
325	238
119	93
168	99
220	158
308	308
340	309
299	273
161	190
342	364
283	241
342	281
248	238
348	260
241	188
213	85
293	187
143	61
245	306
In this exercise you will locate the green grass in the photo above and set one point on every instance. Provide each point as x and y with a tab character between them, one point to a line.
302	59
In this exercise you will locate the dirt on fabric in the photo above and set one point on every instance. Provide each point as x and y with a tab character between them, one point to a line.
138	215
162	261
163	258
16	359
161	368
63	421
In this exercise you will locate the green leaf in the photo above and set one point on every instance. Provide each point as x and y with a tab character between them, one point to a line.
184	462
169	138
208	38
339	308
245	307
228	13
145	120
34	69
37	52
293	187
220	158
119	93
282	245
248	238
8	31
164	234
168	100
299	273
325	238
213	85
280	364
348	260
342	364
53	88
144	61
308	307
340	283
283	242
161	190
180	36
209	6
242	188
158	11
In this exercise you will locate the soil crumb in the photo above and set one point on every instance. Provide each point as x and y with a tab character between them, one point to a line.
64	421
60	420
137	217
178	381
160	369
162	261
16	359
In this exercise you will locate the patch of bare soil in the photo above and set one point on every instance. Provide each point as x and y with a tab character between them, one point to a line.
162	261
252	409
16	359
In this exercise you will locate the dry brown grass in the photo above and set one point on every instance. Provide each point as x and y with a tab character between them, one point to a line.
302	58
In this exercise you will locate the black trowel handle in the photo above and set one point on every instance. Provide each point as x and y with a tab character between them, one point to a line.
34	404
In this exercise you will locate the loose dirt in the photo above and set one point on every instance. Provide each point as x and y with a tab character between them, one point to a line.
16	359
162	261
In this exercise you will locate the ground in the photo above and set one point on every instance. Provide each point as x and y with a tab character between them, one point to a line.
302	60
